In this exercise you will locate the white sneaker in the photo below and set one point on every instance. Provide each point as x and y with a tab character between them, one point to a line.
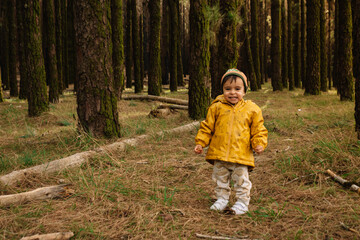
239	208
219	205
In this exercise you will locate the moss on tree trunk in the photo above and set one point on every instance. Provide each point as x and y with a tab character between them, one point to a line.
37	98
276	46
154	61
199	85
96	97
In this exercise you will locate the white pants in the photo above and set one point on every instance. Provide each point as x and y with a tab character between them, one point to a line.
223	172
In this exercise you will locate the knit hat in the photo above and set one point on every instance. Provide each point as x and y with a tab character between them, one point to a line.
235	72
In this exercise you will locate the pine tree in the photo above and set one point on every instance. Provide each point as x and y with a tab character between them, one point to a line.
20	25
174	30
313	48
34	62
165	42
284	47
118	45
344	69
297	45
276	46
59	44
355	6
14	91
290	56
128	45
70	43
154	61
303	43
323	56
180	77
50	51
254	40
4	35
136	47
199	92
96	96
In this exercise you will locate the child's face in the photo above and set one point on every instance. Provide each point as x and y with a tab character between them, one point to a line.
234	90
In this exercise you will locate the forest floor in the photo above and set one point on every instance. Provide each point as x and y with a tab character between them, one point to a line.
160	189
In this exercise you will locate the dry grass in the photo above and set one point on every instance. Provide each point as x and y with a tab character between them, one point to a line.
161	190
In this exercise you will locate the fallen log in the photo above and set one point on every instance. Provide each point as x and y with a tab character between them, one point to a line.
172	106
344	182
79	158
219	237
50	236
37	194
155	98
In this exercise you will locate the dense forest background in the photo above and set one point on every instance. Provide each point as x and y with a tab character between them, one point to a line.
104	47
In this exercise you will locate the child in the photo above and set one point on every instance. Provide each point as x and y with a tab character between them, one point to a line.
233	128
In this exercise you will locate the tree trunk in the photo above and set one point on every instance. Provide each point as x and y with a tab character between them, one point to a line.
64	49
297	45
227	50
290	46
254	40
154	79
345	74
214	45
313	48
96	97
199	84
34	62
275	46
128	45
329	52
303	43
165	42
136	47
250	63
20	26
4	46
59	44
141	42
14	91
180	77
174	33
323	56
284	47
355	6
118	45
70	39
50	51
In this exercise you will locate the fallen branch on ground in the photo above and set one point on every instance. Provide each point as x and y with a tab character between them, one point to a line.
349	229
37	194
172	106
218	237
79	158
344	182
50	236
155	98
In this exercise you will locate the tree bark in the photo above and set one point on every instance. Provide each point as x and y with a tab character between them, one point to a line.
345	72
14	91
276	46
128	45
70	43
303	43
355	6
165	42
23	92
290	59
174	34
312	86
136	47
297	45
34	62
284	47
118	45
59	44
154	82
254	40
199	84
323	56
96	97
50	51
155	98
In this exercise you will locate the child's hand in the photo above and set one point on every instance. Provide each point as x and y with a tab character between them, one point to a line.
198	149
259	149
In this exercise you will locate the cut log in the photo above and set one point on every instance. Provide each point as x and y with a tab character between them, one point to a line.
344	182
50	236
219	237
156	98
172	106
37	194
79	158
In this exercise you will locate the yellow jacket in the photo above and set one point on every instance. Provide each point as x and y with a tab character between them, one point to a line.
232	131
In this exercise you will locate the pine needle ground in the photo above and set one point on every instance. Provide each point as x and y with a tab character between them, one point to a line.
162	190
